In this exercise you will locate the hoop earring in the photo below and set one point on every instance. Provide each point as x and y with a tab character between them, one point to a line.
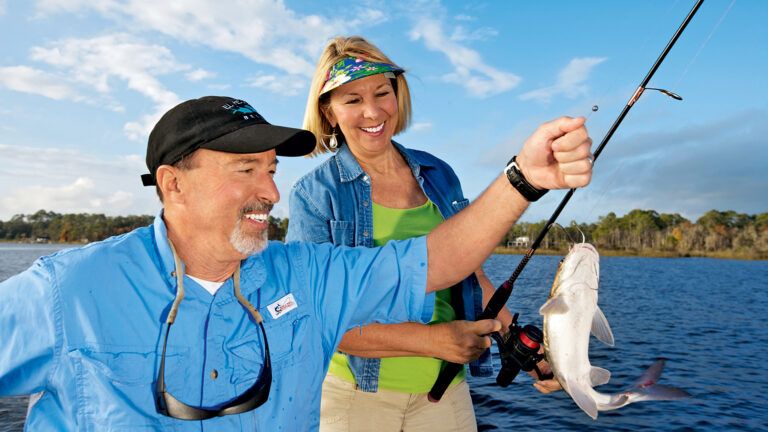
333	142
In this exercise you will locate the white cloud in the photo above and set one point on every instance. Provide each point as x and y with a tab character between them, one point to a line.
71	181
464	17
98	62
95	61
29	80
264	31
364	15
289	85
199	75
46	7
470	71
570	80
139	130
421	126
461	34
76	197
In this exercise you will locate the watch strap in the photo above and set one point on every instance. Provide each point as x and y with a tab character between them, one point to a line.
518	181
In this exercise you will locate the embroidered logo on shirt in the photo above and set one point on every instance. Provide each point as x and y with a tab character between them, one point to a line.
280	307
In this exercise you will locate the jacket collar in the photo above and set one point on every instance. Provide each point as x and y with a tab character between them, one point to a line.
350	169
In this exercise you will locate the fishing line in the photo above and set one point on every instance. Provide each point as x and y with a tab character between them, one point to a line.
601	193
706	42
503	292
568	235
643	47
609	179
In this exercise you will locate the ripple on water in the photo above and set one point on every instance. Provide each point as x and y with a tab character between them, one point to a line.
704	315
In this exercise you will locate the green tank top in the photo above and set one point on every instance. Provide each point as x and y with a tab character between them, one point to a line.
405	374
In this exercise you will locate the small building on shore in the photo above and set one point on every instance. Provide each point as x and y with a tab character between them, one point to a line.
519	242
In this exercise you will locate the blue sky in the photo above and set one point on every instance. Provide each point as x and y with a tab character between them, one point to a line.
83	81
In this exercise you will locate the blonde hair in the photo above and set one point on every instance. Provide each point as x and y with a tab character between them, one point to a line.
337	49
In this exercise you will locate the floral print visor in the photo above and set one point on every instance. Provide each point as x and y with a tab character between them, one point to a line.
352	68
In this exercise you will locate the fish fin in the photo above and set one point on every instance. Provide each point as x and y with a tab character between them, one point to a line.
599	376
600	328
650	390
647	389
651	375
555	305
583	400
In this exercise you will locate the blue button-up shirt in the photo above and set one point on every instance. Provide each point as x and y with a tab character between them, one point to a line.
84	327
332	203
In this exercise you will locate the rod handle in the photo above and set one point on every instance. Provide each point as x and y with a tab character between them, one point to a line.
447	375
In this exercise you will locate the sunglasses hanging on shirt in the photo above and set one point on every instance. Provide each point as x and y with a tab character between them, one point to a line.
254	397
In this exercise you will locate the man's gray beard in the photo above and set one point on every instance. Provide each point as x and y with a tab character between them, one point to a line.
245	244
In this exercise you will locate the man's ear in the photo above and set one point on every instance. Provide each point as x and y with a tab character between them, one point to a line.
169	182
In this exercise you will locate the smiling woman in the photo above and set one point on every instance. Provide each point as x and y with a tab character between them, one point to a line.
371	191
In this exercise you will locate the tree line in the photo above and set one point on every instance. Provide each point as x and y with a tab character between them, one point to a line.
647	232
48	226
639	232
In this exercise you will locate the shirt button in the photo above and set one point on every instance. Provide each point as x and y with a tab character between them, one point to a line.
365	233
214	374
365	203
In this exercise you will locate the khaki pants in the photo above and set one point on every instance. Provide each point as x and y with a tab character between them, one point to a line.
345	409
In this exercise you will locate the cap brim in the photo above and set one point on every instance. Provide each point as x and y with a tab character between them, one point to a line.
259	138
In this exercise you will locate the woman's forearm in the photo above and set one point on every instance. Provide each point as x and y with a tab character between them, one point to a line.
455	341
388	340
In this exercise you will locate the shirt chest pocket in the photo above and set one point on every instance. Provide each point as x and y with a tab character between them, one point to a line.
286	337
342	233
115	385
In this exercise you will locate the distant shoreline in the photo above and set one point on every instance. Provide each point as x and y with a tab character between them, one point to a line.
645	253
521	251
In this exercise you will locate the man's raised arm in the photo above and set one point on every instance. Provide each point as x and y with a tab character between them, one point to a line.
556	156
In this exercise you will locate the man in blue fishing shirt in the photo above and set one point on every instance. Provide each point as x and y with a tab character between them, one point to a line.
197	322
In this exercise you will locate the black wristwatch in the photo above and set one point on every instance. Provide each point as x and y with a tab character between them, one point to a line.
517	180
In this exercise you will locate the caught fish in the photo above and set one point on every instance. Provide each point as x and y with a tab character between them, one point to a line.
570	315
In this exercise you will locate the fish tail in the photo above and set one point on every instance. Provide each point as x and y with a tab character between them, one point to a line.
647	388
662	392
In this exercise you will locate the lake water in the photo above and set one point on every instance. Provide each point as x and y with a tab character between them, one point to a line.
706	316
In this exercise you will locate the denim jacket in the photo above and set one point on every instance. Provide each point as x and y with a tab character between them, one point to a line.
332	203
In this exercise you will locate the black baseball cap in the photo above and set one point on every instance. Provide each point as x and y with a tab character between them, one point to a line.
219	123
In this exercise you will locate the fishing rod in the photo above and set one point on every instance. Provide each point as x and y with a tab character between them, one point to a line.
504	291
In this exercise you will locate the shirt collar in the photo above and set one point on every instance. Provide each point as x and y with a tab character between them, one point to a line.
164	248
350	169
252	269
